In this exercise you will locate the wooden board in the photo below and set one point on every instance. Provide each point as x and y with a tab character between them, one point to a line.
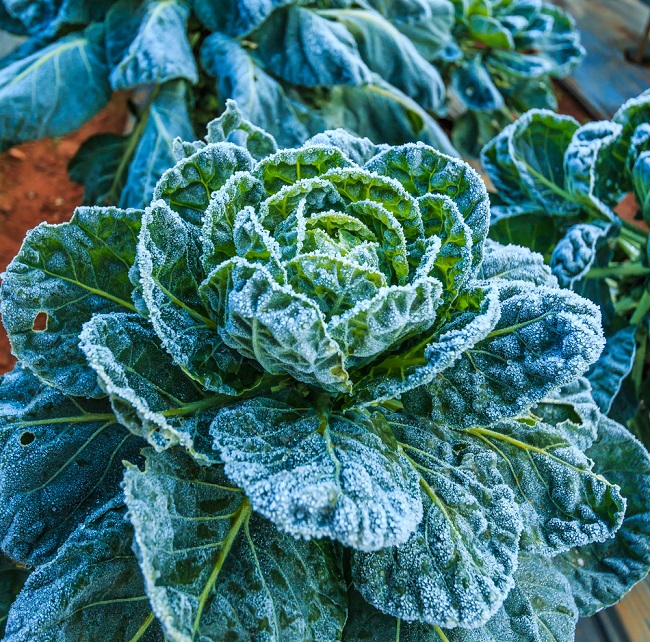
606	79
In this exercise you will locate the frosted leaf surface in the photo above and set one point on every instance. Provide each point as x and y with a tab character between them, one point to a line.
91	587
215	571
319	476
303	48
149	44
563	501
544	339
575	254
600	574
188	186
170	272
150	394
359	150
235	17
60	457
63	275
539	608
515	263
615	364
458	566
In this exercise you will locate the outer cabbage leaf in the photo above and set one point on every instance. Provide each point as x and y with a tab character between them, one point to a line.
358	150
299	46
66	273
538	609
54	16
515	263
150	394
235	17
600	574
458	566
563	501
389	53
261	98
615	363
473	85
215	571
61	458
170	272
166	118
319	476
575	254
35	102
12	578
544	339
92	586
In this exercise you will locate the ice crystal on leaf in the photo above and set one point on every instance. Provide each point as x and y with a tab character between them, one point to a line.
357	409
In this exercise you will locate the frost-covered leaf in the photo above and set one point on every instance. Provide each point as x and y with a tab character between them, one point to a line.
36	99
539	608
170	273
600	574
563	501
358	150
148	42
472	83
383	114
515	263
458	566
389	53
235	17
166	118
319	475
188	186
63	275
61	457
574	255
303	48
615	363
90	590
215	571
150	394
12	578
544	338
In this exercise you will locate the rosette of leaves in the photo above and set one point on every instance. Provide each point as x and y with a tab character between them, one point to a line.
295	68
300	397
501	63
559	186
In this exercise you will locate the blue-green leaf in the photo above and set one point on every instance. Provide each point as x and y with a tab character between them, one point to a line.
575	254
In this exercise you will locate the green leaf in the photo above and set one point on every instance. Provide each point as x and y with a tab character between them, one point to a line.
234	17
63	275
60	458
538	609
458	566
260	97
12	578
300	47
187	186
316	475
152	42
575	254
358	150
600	574
563	501
170	273
92	588
473	85
215	571
27	112
490	31
149	393
544	338
515	263
615	364
389	53
165	119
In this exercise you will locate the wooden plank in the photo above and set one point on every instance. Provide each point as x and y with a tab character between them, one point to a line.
633	613
606	79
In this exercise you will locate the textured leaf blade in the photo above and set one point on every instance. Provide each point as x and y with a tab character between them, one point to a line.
515	263
214	570
319	476
575	254
66	273
93	585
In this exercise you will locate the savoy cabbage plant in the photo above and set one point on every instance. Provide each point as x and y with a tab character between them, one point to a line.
301	397
383	69
559	189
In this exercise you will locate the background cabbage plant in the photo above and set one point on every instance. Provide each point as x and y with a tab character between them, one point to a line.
384	70
301	397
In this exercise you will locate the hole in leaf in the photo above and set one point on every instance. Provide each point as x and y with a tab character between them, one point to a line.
40	322
26	438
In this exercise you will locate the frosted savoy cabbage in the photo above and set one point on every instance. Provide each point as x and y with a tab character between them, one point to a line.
301	397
